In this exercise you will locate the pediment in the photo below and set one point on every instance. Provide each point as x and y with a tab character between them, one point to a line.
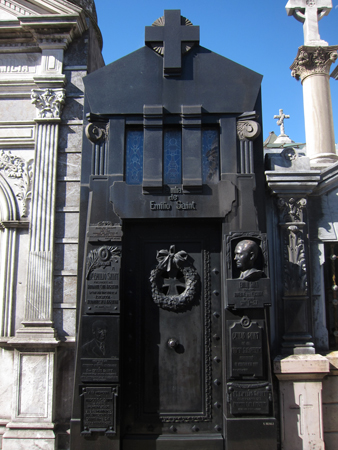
13	9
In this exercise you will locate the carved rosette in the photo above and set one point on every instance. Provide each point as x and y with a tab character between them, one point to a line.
49	102
291	212
248	130
313	60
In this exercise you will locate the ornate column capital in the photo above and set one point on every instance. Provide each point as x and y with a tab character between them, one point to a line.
49	103
313	60
248	130
291	209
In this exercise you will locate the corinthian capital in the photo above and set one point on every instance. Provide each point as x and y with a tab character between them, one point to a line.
313	60
49	102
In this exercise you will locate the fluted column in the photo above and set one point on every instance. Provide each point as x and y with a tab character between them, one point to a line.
38	319
312	67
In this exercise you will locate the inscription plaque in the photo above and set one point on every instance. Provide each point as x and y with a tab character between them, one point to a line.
103	280
246	349
99	410
104	231
248	294
100	349
249	399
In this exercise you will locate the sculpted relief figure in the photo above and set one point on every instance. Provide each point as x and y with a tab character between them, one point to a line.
246	253
96	348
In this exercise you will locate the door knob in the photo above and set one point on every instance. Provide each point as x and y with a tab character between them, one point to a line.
173	343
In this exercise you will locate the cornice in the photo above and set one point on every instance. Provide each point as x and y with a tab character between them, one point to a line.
59	24
328	180
301	183
39	7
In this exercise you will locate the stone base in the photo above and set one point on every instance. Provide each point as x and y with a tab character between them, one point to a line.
29	436
300	386
35	334
323	160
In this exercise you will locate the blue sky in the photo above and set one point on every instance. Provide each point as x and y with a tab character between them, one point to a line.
257	34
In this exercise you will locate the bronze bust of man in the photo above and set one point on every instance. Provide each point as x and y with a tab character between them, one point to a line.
246	253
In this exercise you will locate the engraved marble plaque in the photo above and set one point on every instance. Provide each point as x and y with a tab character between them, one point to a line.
103	280
249	399
104	231
100	349
248	294
99	409
246	349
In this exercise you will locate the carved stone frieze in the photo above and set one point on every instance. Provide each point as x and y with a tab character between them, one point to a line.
313	60
292	221
15	167
248	130
294	261
49	102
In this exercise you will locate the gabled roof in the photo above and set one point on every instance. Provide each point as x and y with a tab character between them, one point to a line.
216	83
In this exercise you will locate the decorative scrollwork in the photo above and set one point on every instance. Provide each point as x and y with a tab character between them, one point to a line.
16	167
101	257
248	129
172	267
95	133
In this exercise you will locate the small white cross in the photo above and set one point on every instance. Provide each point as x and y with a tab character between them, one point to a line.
309	12
280	121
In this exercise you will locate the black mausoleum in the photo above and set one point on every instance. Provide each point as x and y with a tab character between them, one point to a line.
174	295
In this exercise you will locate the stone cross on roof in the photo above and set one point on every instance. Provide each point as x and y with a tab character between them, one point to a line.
171	33
280	121
309	12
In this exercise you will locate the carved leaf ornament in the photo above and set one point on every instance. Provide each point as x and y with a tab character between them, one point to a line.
173	266
100	258
17	168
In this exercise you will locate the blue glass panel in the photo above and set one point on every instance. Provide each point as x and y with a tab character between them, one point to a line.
210	155
134	157
172	156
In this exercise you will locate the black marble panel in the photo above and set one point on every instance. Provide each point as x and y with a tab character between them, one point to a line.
102	293
246	352
99	409
248	294
100	349
249	399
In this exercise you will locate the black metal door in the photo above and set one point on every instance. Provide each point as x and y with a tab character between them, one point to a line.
172	334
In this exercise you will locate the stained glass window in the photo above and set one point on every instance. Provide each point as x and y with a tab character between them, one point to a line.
172	156
210	155
134	157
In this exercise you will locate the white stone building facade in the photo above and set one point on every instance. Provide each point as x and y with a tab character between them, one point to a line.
46	47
